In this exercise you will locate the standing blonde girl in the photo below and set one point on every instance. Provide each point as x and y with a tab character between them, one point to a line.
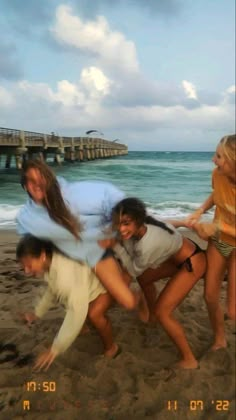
221	236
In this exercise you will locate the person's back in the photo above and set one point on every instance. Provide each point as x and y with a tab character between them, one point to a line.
69	280
91	201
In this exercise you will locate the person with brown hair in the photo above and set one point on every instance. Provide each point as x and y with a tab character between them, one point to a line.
150	250
76	287
221	236
74	216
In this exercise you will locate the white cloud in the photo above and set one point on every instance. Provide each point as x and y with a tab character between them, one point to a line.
69	94
6	98
35	91
95	38
231	89
59	108
189	89
114	96
95	81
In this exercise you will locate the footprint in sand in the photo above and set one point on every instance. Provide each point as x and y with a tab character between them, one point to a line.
9	352
9	251
218	361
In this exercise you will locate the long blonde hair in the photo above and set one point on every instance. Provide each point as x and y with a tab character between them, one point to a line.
228	144
53	200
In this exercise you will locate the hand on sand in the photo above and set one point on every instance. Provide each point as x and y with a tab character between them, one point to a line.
29	317
45	360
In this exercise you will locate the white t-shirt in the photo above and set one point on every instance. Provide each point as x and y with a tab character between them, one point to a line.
156	246
75	286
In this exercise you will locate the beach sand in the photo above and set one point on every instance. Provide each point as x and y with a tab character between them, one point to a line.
81	384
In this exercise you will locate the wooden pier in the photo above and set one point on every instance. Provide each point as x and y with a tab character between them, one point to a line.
23	145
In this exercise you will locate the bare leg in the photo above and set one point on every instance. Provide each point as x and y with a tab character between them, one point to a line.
143	311
110	275
216	265
172	295
167	269
231	292
96	314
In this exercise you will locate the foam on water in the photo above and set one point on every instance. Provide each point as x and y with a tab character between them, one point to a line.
178	212
7	215
164	210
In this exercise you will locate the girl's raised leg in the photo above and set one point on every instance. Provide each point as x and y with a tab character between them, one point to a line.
110	275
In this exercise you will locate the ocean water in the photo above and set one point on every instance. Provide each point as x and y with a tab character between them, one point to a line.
172	184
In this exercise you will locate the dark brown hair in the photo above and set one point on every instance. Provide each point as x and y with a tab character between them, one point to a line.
33	247
53	200
136	209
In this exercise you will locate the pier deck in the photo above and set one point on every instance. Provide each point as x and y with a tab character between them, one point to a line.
25	144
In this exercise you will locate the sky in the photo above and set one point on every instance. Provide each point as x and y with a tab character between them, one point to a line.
155	74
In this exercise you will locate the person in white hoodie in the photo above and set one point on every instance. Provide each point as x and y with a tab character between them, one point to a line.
76	287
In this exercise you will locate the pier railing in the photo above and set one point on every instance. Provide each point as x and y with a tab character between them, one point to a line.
25	144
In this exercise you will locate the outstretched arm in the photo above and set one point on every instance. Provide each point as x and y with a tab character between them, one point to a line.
77	309
176	223
206	230
194	217
45	303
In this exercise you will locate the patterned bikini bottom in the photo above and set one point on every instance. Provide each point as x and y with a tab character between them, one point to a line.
224	249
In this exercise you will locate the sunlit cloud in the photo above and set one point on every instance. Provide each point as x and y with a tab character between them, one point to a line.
189	89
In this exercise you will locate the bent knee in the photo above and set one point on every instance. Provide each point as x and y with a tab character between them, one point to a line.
161	313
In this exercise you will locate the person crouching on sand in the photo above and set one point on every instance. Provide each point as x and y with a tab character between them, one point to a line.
151	250
76	287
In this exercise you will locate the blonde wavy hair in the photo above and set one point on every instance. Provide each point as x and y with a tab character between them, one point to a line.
228	144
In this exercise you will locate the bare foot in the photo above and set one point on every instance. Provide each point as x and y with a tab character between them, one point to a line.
187	364
113	351
219	345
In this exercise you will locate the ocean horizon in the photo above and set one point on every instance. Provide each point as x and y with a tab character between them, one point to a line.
172	184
